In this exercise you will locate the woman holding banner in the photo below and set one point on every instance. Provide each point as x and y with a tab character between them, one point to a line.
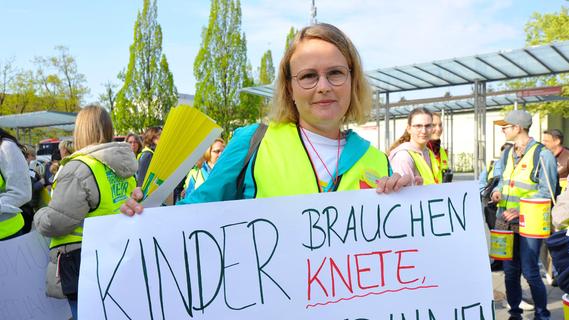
320	87
15	186
93	181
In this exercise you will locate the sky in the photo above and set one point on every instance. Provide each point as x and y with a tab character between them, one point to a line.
387	33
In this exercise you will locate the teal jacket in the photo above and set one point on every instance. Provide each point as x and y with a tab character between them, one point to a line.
222	182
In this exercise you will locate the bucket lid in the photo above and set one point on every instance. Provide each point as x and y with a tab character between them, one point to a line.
535	200
502	231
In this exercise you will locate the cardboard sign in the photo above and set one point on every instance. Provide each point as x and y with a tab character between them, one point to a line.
418	254
22	281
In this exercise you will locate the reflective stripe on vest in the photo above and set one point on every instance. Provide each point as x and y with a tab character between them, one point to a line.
430	175
282	166
517	182
113	191
10	223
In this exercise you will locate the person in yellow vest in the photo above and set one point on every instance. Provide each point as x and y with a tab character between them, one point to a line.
200	172
553	140
15	186
151	137
409	155
94	181
529	168
436	147
320	87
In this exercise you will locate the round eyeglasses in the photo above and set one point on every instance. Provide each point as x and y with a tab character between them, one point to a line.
308	78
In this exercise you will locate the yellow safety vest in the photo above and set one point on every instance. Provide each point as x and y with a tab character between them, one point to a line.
113	191
490	173
443	160
12	222
282	166
517	182
195	173
145	149
430	175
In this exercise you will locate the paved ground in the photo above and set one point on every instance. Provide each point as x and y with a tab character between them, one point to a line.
555	304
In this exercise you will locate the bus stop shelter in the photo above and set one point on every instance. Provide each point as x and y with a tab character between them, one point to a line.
477	71
24	122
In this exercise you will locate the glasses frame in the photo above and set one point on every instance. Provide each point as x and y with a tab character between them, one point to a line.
348	74
426	127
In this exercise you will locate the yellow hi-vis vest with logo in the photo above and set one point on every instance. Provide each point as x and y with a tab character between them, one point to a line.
12	222
430	175
282	166
517	180
113	191
145	149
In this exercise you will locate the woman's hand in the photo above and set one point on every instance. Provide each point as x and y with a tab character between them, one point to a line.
510	214
396	182
131	205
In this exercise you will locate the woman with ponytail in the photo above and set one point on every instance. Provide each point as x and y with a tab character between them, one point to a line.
409	155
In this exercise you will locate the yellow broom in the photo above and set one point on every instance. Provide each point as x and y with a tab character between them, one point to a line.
186	135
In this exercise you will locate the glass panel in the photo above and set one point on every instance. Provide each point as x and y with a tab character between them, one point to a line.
524	60
503	65
550	58
439	72
481	68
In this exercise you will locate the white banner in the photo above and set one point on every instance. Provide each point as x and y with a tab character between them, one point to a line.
22	281
417	254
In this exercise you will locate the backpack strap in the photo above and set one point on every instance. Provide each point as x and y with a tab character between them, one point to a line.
253	146
534	176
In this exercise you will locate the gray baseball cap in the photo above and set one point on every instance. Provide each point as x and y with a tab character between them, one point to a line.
516	117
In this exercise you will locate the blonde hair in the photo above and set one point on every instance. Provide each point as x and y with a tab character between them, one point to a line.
284	109
92	126
406	137
207	154
67	145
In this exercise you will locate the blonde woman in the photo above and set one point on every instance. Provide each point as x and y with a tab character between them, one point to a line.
93	181
202	169
321	86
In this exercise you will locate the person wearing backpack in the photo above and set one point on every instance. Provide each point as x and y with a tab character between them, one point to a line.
15	186
528	168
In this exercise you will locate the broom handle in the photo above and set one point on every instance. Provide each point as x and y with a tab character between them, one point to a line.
548	181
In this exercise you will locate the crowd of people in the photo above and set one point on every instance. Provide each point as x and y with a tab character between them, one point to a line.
320	88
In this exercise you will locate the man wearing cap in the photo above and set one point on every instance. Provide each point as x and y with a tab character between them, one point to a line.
553	140
528	168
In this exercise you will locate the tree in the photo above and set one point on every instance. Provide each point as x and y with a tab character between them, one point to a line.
267	70
266	76
291	33
543	29
60	81
220	68
7	73
148	91
109	96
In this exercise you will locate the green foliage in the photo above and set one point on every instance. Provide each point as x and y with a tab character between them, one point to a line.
148	90
267	70
220	68
58	81
289	37
544	29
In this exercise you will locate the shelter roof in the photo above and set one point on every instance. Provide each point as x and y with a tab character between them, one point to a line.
548	59
38	119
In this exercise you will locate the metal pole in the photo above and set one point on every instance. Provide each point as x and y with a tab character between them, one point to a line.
377	108
387	135
451	149
479	126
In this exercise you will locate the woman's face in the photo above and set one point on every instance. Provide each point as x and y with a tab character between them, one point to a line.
216	150
437	128
133	144
322	107
157	138
420	129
